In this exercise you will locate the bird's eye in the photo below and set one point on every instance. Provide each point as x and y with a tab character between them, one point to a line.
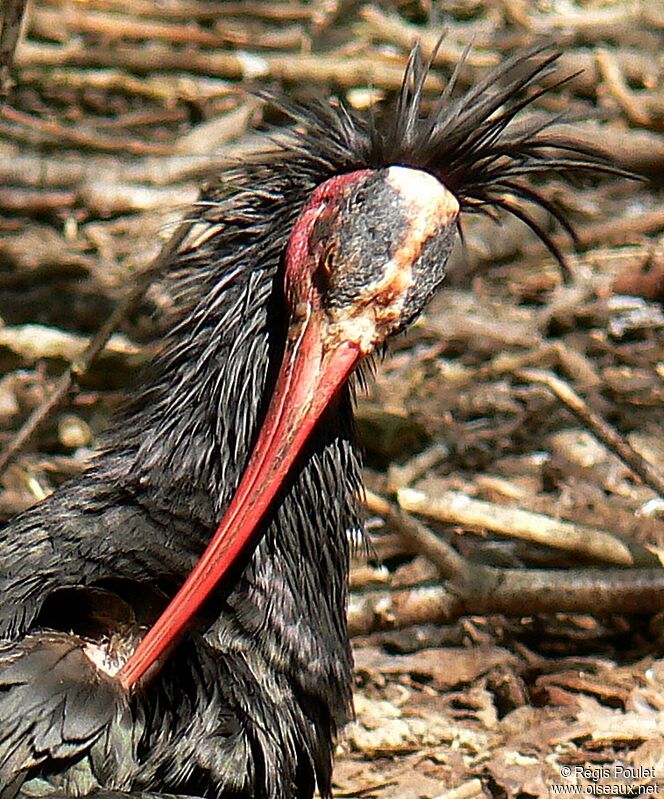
323	274
328	262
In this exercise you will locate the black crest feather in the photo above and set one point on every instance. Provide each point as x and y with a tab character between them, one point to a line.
473	143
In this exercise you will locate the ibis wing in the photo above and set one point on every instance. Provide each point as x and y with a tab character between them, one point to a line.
60	714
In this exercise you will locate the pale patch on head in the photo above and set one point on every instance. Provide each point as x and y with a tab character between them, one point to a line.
431	207
430	199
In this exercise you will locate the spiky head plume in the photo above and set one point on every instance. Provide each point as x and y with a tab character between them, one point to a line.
474	143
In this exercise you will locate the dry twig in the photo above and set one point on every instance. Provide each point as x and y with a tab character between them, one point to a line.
615	83
82	138
391	28
600	428
97	343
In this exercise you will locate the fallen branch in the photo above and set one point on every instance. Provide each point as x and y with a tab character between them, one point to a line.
513	592
616	231
36	342
639	150
475	589
166	88
194	10
314	69
453	507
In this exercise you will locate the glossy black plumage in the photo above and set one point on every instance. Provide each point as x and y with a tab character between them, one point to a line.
248	706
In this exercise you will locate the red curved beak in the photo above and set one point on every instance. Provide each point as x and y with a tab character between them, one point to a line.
313	369
322	349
